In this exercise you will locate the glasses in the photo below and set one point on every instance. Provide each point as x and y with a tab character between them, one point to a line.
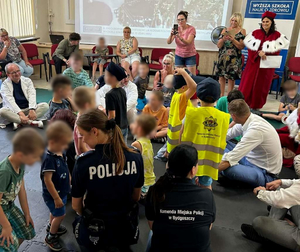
15	72
127	75
166	63
180	20
3	36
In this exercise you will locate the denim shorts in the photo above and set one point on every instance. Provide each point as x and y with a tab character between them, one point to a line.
100	61
203	180
181	62
56	212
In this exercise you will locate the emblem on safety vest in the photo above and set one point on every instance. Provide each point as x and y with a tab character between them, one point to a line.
210	123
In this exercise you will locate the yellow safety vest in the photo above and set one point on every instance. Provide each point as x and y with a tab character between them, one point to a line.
174	122
205	128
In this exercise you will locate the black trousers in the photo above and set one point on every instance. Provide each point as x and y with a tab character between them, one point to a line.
58	64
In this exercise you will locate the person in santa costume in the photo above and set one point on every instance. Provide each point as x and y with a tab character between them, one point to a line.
255	83
289	138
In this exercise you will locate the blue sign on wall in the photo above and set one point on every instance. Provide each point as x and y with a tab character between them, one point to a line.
285	9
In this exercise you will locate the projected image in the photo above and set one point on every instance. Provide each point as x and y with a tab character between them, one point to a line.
149	18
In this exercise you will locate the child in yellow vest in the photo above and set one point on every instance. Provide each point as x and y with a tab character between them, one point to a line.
142	128
185	88
205	128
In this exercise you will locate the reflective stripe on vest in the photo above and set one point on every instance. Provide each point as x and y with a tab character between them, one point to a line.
205	129
174	122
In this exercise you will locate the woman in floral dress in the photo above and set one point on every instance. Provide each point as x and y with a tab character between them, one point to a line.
230	56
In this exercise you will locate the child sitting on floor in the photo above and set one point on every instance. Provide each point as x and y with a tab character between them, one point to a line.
56	180
142	82
141	128
168	90
288	102
160	113
61	87
15	225
102	50
84	99
75	72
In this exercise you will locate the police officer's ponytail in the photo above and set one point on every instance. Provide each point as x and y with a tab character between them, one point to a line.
181	161
94	118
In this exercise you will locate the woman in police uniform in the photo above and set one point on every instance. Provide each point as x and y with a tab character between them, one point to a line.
110	177
179	212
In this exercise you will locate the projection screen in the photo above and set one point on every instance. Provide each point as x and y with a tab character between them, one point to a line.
150	20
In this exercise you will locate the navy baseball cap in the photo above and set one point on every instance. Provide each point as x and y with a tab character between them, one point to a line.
116	71
208	90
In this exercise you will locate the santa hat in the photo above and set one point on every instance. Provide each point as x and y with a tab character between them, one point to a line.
268	14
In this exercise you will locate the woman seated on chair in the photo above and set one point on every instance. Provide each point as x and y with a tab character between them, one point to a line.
168	68
11	50
127	49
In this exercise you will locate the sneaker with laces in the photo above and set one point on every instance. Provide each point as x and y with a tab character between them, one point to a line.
16	126
61	230
53	243
297	165
38	124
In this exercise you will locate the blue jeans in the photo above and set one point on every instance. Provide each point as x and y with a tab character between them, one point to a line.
26	71
125	134
246	171
188	61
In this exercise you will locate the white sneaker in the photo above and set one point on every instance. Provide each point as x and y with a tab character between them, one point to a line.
16	126
38	124
297	165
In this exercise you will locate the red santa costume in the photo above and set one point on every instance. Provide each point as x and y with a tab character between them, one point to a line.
255	83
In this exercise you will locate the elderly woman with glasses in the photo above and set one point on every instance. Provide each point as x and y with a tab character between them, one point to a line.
168	68
127	49
12	51
185	53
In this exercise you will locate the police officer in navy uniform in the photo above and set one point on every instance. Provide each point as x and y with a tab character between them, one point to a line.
179	212
106	186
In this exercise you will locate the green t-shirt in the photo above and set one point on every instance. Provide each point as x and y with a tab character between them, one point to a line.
222	104
10	182
81	79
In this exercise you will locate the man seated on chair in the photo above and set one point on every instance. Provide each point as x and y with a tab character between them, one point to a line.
65	48
19	100
257	158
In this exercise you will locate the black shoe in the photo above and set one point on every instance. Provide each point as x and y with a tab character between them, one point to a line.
53	243
61	230
251	234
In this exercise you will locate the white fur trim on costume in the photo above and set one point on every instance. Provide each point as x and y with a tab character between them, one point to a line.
275	45
291	122
251	42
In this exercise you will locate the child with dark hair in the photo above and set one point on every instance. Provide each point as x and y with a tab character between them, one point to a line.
174	228
142	83
156	109
16	225
288	102
142	128
56	180
62	90
75	72
222	103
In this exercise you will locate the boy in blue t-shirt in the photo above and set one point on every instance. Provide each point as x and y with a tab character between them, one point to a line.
16	225
56	180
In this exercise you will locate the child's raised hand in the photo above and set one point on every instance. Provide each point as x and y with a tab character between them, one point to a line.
6	236
58	203
179	71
